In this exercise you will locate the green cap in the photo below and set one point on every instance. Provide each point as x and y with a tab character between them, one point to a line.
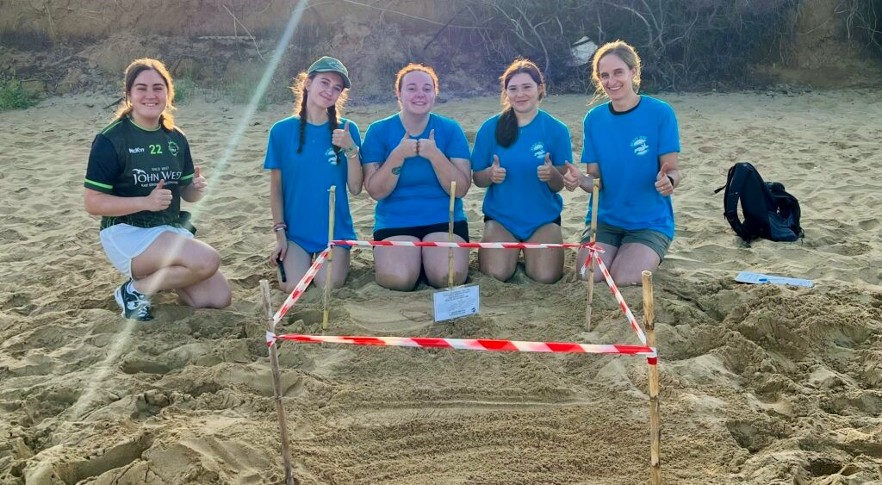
329	64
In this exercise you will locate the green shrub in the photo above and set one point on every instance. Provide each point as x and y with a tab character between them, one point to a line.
14	96
185	90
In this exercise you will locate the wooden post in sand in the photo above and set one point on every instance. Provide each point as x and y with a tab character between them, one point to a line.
277	382
326	296
654	421
450	252
593	229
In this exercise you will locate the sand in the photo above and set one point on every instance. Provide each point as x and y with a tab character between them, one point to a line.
759	384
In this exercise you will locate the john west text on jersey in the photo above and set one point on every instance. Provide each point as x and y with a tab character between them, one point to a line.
142	177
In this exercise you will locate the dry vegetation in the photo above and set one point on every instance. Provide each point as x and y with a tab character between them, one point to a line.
58	47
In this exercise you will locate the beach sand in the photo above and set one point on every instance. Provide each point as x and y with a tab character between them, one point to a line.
759	384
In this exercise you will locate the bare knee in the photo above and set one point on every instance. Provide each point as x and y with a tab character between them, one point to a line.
220	300
626	278
587	275
209	298
287	286
397	282
438	279
499	273
338	279
207	264
497	268
546	277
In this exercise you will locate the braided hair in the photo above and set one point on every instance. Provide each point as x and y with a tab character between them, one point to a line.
301	93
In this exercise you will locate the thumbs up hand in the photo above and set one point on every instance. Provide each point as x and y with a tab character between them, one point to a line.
663	183
159	198
426	147
545	171
342	138
199	182
407	147
497	172
573	178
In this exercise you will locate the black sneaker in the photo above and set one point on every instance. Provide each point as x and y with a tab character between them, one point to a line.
135	305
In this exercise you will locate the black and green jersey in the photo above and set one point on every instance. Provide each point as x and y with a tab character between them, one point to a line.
129	161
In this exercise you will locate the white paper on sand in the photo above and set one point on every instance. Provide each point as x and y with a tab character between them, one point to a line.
456	302
759	278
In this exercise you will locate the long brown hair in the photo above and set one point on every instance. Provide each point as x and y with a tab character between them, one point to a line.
300	95
507	127
166	119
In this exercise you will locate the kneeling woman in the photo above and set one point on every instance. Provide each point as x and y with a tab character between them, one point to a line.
409	160
520	155
139	170
306	154
632	144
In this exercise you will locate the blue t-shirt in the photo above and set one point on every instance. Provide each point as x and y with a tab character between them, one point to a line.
418	199
306	179
627	146
522	203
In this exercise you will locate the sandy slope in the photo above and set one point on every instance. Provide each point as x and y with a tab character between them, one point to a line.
759	384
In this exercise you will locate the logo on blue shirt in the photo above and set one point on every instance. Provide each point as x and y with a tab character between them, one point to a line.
538	150
640	146
331	156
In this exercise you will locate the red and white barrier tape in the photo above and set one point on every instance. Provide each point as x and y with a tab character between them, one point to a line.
485	245
301	286
594	252
469	344
620	299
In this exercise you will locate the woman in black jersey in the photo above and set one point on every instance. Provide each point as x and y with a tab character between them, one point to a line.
139	170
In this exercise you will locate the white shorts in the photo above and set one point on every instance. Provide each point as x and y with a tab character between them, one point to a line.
123	242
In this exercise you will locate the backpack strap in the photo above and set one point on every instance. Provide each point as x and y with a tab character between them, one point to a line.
734	185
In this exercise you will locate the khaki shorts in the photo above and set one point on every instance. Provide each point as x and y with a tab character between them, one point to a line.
616	236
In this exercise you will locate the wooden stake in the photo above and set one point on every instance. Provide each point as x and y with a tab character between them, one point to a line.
450	252
654	420
326	296
595	194
277	382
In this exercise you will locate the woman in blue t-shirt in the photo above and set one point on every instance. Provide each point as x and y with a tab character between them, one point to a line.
307	154
409	161
632	144
520	157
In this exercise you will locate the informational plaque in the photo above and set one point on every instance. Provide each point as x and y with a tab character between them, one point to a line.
456	302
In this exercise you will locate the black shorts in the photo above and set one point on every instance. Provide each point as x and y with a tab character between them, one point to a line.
460	228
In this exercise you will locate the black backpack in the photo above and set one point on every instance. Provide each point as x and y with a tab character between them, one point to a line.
769	211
